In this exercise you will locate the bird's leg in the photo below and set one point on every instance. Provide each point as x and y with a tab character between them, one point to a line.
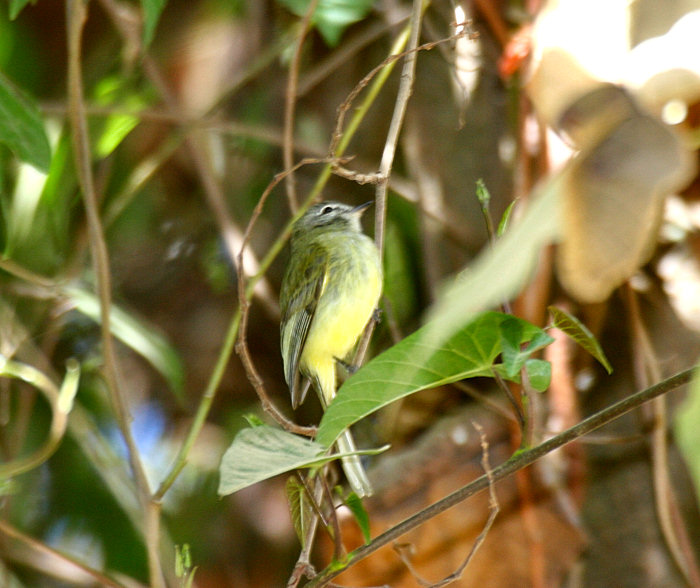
349	367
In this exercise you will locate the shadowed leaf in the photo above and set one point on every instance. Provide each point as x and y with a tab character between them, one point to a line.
21	127
575	329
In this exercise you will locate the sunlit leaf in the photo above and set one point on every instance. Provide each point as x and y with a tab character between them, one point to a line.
575	329
687	431
115	91
420	362
137	336
21	126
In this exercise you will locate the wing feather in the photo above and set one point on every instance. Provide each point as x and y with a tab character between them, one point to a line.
302	287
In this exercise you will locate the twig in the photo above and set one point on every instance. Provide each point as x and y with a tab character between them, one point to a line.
335	156
347	49
60	403
244	293
516	462
46	555
387	161
199	152
76	15
493	513
289	104
340	139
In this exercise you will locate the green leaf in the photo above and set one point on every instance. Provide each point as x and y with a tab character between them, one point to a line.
511	334
137	336
296	497
420	362
253	420
539	373
354	503
16	7
577	331
687	431
22	128
515	354
111	131
483	194
259	453
505	219
331	17
264	452
152	10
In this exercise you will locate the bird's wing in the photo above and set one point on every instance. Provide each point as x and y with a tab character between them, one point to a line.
302	287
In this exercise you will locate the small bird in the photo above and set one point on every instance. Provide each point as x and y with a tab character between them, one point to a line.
329	292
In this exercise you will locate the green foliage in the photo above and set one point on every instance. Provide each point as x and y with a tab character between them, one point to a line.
183	566
687	430
137	336
482	194
16	7
115	91
421	361
575	329
354	503
263	452
296	499
331	17
21	126
539	373
505	219
152	10
512	337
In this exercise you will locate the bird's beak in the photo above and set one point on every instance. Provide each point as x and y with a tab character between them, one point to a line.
360	209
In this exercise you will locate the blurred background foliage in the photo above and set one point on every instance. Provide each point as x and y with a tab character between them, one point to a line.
190	105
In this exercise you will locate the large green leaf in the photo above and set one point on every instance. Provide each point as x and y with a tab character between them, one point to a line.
259	453
21	126
420	362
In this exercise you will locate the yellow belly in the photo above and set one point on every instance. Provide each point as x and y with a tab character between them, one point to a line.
343	310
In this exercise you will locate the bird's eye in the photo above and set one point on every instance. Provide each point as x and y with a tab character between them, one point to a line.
327	210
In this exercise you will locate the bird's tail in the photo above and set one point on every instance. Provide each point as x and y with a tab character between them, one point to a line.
354	471
352	466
